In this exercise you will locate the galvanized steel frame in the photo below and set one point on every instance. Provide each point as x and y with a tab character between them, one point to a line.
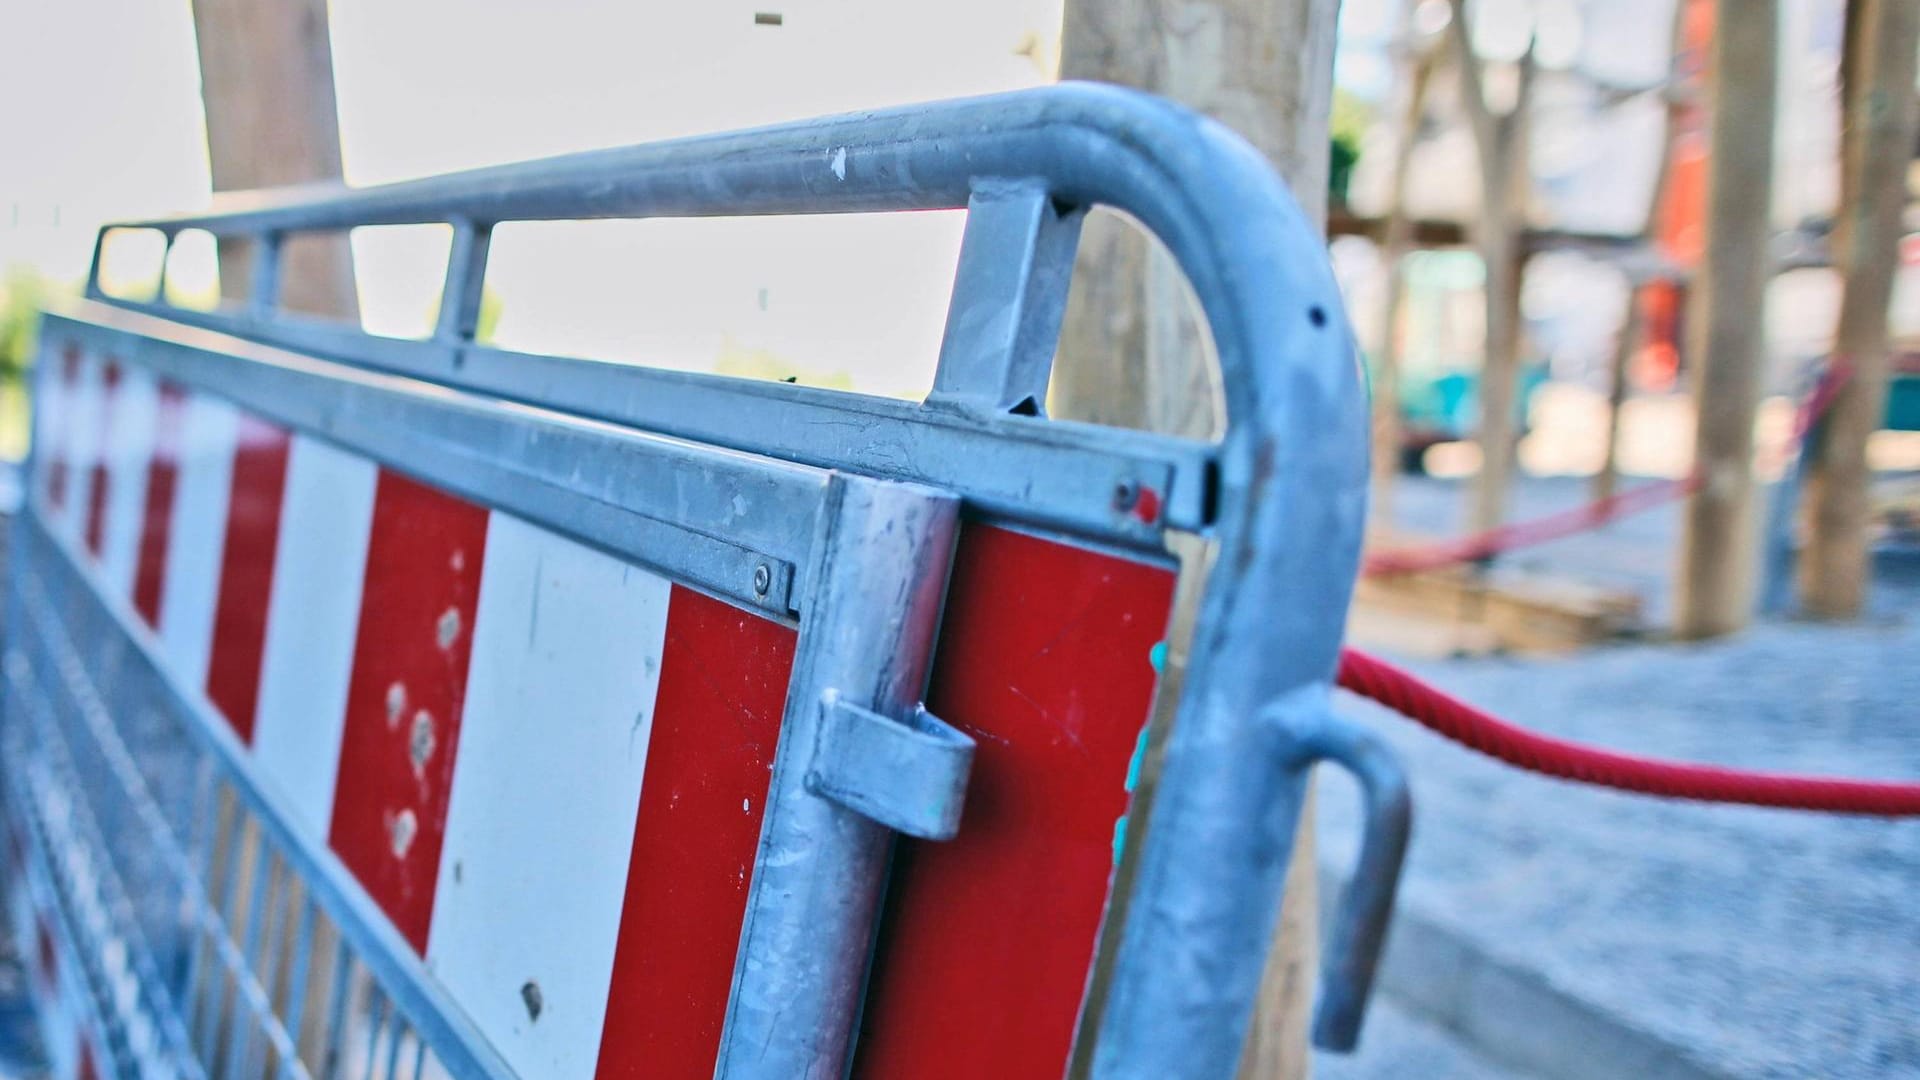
1282	495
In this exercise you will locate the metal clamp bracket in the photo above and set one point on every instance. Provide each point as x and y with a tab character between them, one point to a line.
910	776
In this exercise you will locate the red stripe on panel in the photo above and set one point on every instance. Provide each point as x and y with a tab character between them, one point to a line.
404	697
97	491
246	571
716	724
156	524
985	946
57	453
85	1070
44	955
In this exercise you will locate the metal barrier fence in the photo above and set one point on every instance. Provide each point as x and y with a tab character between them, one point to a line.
413	708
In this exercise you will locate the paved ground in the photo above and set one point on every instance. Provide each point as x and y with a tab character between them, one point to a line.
1405	1045
1583	933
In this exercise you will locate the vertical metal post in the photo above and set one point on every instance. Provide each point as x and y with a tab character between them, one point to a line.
866	636
263	290
93	265
297	980
1016	260
466	271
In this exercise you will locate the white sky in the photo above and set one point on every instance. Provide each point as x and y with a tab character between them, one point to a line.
104	122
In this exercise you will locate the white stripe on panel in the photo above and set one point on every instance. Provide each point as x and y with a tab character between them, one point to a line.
198	532
136	411
50	401
83	444
546	787
313	613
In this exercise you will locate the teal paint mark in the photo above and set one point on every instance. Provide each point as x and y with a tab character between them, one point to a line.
1139	755
1133	778
1157	656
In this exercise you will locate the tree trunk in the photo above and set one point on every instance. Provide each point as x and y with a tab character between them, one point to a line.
1505	183
1606	482
266	77
1633	324
1878	146
1396	242
1500	375
1715	588
1131	353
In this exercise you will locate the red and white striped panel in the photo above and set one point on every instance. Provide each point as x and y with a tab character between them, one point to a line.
548	766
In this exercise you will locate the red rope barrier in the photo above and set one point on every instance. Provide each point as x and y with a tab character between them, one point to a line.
1504	538
1564	523
1405	693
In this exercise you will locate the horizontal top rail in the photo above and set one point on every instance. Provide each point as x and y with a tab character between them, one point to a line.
908	158
735	525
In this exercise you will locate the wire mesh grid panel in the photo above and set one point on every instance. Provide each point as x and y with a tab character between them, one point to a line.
214	957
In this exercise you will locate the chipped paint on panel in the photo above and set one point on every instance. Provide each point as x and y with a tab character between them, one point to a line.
424	554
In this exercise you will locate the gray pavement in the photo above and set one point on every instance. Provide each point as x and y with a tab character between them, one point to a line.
1402	1043
1582	933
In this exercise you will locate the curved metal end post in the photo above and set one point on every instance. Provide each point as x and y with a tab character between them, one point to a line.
1359	931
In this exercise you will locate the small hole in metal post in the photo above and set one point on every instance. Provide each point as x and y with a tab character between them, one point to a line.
531	997
1317	315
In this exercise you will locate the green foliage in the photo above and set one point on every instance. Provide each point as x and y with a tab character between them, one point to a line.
23	292
1350	120
484	324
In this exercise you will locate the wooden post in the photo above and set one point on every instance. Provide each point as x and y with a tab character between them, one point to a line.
1396	242
1606	482
1505	181
1877	143
266	77
1633	322
1728	331
1130	353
